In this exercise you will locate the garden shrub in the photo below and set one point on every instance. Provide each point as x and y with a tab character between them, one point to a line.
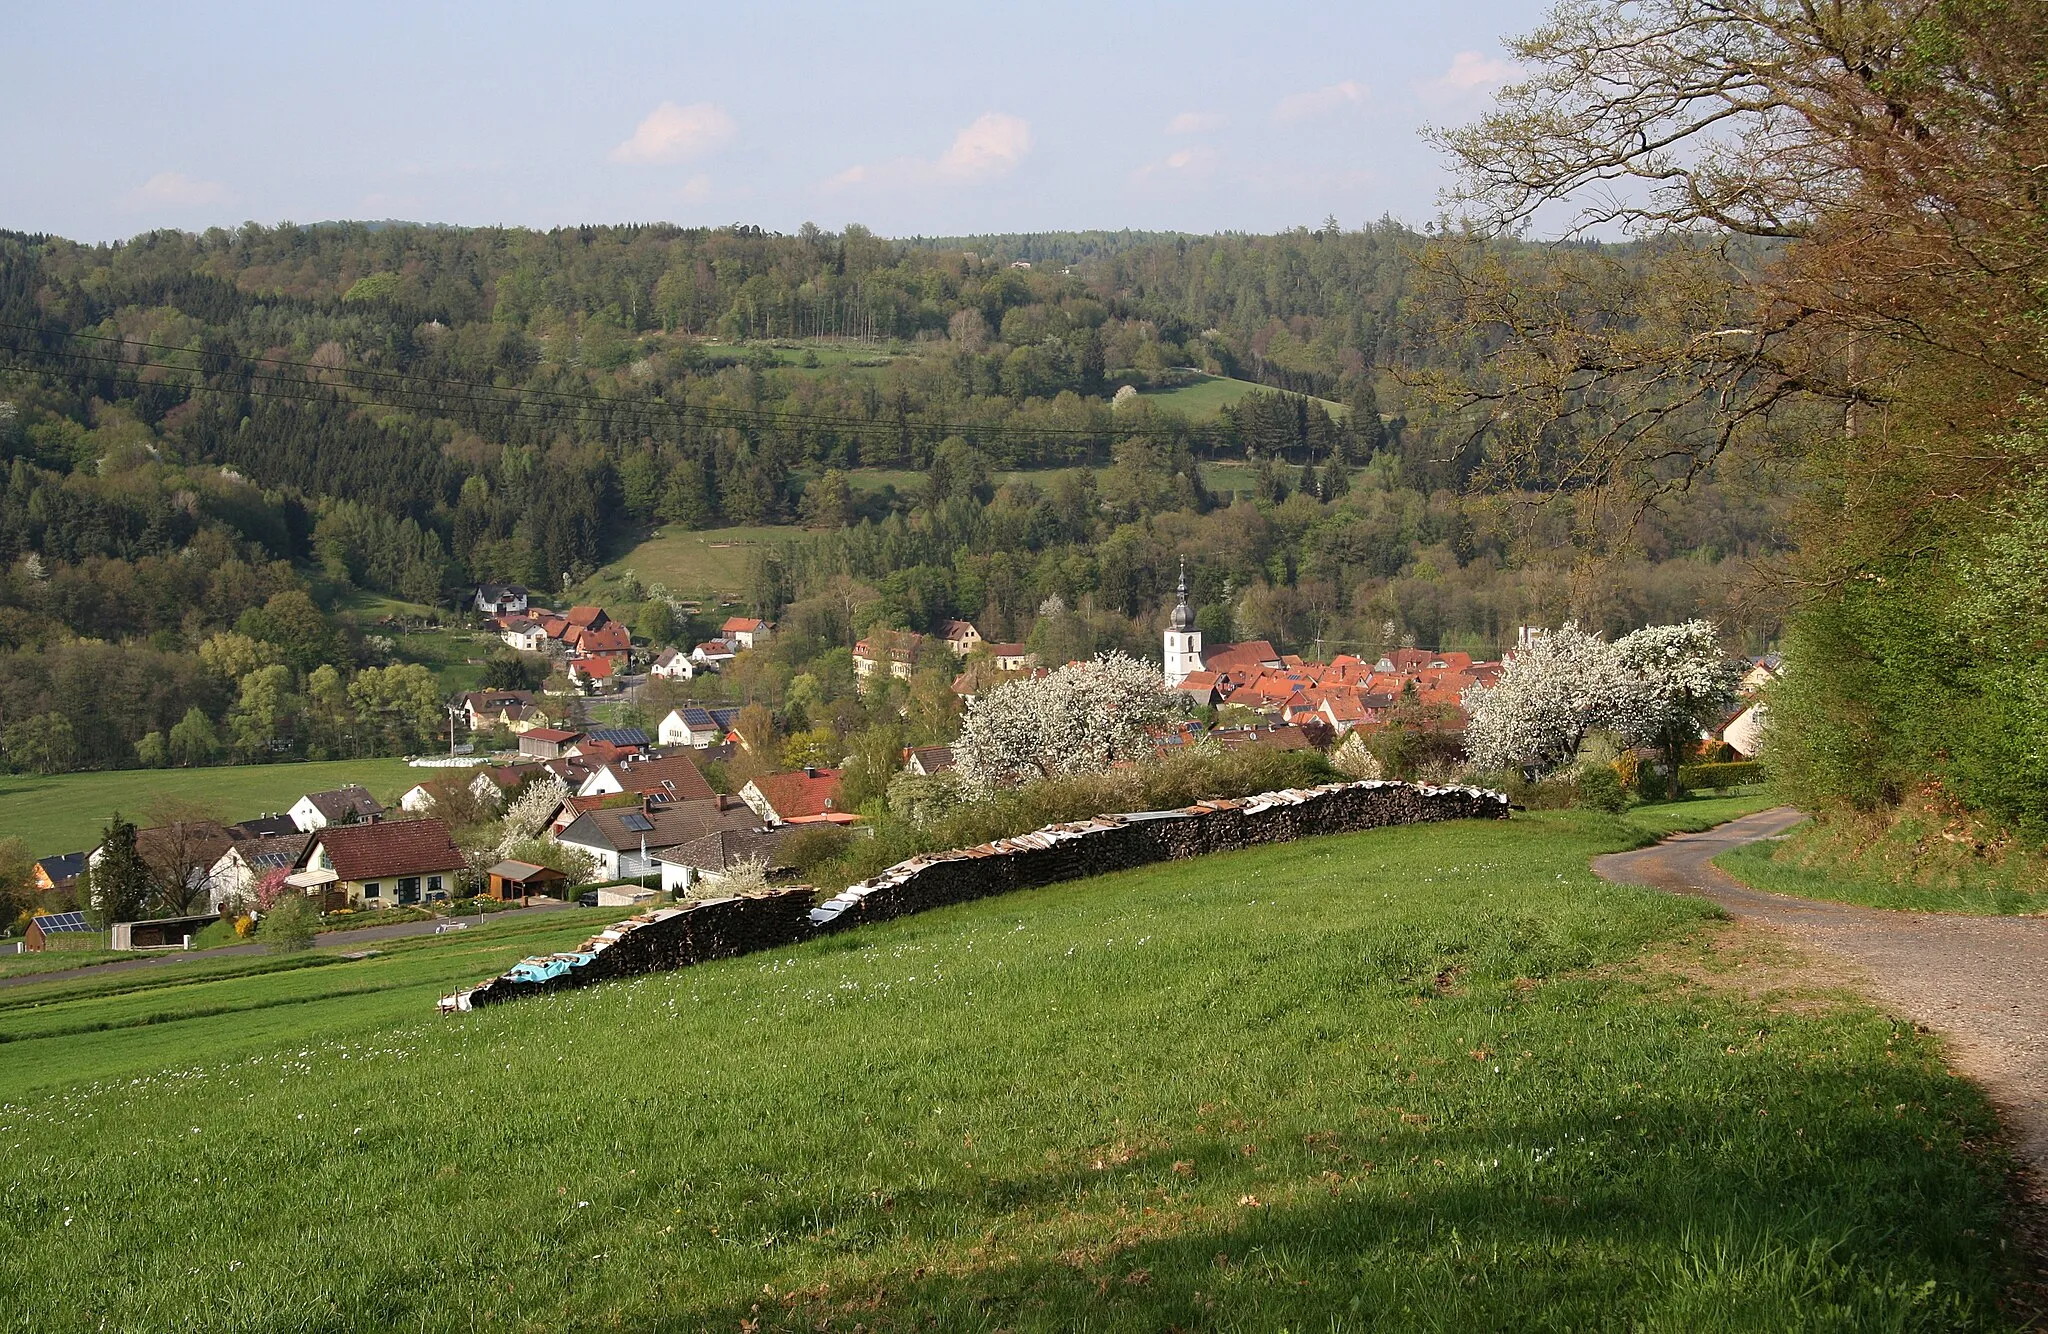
1599	789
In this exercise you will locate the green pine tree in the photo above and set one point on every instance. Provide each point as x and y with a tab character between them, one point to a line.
118	884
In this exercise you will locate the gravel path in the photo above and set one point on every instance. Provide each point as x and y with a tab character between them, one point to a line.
1980	982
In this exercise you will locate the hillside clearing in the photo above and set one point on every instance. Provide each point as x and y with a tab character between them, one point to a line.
65	812
1414	1077
1205	399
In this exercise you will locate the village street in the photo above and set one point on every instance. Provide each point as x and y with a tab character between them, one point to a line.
1980	982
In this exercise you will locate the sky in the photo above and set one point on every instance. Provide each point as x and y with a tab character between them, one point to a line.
913	119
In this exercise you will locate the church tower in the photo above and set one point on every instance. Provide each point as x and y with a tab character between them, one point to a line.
1183	640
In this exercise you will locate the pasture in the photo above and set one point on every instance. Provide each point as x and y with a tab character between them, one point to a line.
706	564
1431	1077
65	812
1206	398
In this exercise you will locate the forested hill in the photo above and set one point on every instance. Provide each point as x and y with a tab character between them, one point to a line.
196	425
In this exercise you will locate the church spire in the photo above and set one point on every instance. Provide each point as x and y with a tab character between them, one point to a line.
1183	615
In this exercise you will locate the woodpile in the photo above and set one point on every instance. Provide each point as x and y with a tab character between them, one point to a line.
676	937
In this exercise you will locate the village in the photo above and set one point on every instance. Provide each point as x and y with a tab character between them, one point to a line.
692	805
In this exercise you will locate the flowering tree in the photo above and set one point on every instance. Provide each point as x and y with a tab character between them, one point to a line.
1078	719
529	813
1681	685
1549	695
272	887
1659	686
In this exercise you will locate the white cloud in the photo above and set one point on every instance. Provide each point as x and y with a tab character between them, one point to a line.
1194	122
992	146
1320	102
1470	70
1184	162
672	133
175	187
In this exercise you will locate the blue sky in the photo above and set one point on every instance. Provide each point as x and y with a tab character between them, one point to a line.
910	118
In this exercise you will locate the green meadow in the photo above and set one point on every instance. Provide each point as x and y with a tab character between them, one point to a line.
1437	1077
1205	399
65	812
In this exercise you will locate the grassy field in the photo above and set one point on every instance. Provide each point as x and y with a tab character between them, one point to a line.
1430	1078
1208	396
1774	867
65	813
705	564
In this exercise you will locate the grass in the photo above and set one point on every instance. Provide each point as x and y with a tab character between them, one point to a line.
1775	866
691	563
65	812
1206	398
56	961
1429	1077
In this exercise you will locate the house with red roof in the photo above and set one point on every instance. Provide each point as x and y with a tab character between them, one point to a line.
960	636
805	796
669	778
610	640
744	631
593	673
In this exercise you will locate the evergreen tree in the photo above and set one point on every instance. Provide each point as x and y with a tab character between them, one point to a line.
118	884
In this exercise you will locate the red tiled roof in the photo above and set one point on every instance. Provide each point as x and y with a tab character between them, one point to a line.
611	637
742	625
402	847
597	669
587	616
797	794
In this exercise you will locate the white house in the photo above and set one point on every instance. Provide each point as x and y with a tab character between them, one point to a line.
344	805
689	726
500	599
675	665
524	635
960	636
713	654
745	631
1745	735
417	800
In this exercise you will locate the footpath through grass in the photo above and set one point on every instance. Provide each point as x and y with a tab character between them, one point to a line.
1431	1077
65	812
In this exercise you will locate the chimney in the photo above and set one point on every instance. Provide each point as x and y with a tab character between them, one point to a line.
810	771
721	799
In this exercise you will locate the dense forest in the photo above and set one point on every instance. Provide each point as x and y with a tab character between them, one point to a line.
224	434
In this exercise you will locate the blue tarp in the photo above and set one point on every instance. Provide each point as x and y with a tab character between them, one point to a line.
546	968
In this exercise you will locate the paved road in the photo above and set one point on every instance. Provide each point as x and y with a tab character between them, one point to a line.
330	942
1981	982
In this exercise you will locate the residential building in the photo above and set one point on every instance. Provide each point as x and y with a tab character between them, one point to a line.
745	631
712	654
894	651
610	640
925	761
525	634
960	636
624	839
184	851
669	778
494	783
616	739
674	665
1745	731
593	674
238	871
1013	657
501	599
690	726
804	796
344	805
700	865
58	873
416	800
584	618
517	710
378	865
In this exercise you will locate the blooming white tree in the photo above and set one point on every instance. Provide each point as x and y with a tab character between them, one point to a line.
1549	695
1079	719
1659	686
527	816
1681	685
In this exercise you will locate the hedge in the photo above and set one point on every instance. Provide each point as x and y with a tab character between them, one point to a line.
1717	776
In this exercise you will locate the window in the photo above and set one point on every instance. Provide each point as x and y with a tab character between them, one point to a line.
373	890
433	884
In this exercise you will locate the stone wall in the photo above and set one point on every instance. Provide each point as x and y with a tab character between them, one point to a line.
676	937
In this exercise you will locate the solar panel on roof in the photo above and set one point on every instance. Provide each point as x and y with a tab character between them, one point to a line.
63	921
638	823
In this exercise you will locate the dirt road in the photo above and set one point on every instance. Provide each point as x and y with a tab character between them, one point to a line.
1980	982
